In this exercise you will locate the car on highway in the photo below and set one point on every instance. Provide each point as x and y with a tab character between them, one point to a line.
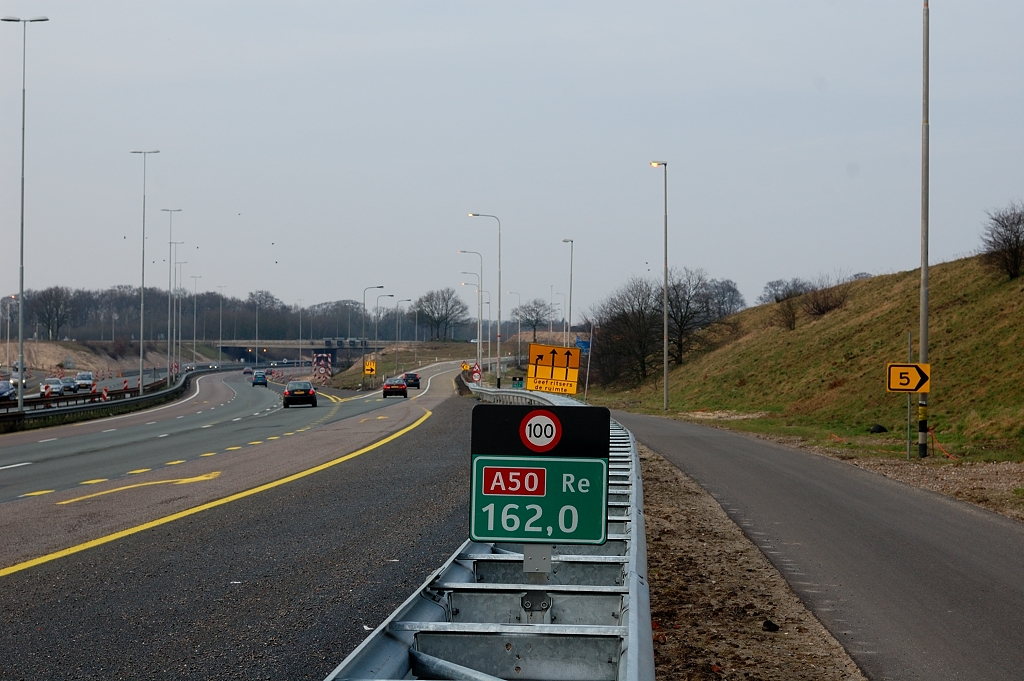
70	385
411	380
394	386
299	392
56	388
8	391
84	380
247	371
259	378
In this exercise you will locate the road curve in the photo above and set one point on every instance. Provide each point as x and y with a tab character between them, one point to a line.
279	584
915	585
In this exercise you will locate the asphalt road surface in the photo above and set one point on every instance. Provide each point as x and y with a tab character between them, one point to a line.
280	581
915	585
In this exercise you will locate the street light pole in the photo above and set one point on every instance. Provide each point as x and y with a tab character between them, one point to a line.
482	215
664	290
922	404
362	337
220	335
398	328
572	247
376	321
142	288
195	291
519	332
179	305
170	246
479	307
563	316
21	258
300	333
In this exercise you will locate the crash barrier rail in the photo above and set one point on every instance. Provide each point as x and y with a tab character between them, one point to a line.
39	414
481	617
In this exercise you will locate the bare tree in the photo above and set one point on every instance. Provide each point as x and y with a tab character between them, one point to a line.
825	294
53	308
695	303
780	289
1003	240
533	314
630	321
441	310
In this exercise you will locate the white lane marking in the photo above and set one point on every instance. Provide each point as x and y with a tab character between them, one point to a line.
151	423
164	435
179	417
199	412
431	379
238	419
208	425
15	465
49	439
110	430
147	411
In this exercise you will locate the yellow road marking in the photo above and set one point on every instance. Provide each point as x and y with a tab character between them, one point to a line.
207	506
174	463
364	420
289	433
179	481
92	482
139	470
381	418
209	454
231	449
38	494
273	437
256	442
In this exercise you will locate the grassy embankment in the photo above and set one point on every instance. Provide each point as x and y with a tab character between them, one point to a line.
825	381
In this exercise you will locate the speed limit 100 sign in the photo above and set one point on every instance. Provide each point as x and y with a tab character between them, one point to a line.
540	431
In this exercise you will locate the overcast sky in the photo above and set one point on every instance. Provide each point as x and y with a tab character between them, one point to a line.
317	148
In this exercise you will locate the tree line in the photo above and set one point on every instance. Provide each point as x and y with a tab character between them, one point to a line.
63	313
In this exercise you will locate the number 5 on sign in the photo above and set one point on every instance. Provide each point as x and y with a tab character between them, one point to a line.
908	378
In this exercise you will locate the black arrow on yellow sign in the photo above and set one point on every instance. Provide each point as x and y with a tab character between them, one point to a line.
908	378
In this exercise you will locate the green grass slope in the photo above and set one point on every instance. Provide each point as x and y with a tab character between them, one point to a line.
826	378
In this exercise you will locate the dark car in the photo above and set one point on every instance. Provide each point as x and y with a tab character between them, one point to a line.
411	380
70	386
259	378
299	392
8	391
246	370
395	386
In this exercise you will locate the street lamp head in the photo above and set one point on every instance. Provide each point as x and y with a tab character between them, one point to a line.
566	241
655	164
474	215
24	20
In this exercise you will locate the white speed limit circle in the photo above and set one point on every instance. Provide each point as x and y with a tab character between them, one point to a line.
540	430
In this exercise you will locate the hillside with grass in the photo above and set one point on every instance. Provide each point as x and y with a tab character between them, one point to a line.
825	379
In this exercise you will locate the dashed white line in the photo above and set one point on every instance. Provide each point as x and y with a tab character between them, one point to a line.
238	419
208	425
180	417
110	430
164	435
15	465
49	439
151	423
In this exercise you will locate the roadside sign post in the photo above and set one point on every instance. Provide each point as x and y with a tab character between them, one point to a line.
539	477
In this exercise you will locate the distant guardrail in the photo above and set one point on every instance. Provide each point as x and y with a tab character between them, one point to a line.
42	412
480	617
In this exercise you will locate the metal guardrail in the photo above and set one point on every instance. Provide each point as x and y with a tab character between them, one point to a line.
480	617
120	402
